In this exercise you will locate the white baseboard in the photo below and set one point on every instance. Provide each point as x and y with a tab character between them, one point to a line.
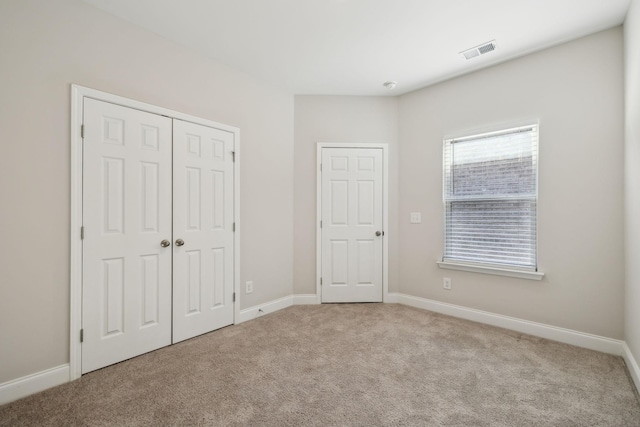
305	299
30	384
266	308
312	299
632	365
392	298
567	336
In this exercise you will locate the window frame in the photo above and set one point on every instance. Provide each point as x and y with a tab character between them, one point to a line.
500	269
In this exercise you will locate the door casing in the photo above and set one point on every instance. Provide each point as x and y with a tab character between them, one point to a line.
385	211
78	93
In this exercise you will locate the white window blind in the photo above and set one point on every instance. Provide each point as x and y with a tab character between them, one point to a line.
490	197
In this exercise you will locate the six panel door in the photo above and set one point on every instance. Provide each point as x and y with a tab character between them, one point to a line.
126	301
203	229
158	247
351	225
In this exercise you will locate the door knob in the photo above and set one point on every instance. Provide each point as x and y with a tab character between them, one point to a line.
165	243
179	242
378	233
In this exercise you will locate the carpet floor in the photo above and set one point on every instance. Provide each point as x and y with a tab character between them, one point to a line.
347	365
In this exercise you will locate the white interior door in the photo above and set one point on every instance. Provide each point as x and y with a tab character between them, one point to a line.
158	246
203	229
352	219
126	302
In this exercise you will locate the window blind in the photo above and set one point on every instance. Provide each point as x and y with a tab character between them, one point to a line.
490	196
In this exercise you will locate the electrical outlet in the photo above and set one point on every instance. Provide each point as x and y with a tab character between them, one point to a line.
447	283
248	287
416	218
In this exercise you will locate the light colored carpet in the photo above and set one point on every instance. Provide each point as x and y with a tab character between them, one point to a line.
347	365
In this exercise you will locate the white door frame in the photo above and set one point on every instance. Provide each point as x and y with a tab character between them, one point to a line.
385	211
78	93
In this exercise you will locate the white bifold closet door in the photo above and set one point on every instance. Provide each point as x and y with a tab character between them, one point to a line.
158	237
126	293
203	220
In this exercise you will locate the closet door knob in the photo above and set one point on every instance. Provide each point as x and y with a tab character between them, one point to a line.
165	243
179	242
378	233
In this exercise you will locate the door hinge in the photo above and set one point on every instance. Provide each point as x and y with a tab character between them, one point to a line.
81	335
234	297
233	156
320	167
234	227
82	131
82	233
320	223
321	280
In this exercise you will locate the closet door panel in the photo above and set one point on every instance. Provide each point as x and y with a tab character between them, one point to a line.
126	302
203	220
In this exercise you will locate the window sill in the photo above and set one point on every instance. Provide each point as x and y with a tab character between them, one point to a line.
521	274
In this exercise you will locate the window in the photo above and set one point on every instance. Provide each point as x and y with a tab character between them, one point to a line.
490	197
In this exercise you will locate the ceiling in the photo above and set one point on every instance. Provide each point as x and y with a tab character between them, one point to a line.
351	47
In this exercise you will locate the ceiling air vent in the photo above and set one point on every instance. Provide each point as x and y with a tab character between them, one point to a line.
480	50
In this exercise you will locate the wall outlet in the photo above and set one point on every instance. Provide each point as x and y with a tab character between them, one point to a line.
447	283
248	287
416	217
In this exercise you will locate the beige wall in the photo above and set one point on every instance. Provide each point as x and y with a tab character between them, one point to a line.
338	119
576	92
632	178
45	46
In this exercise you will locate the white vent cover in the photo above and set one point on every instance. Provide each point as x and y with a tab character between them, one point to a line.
480	50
